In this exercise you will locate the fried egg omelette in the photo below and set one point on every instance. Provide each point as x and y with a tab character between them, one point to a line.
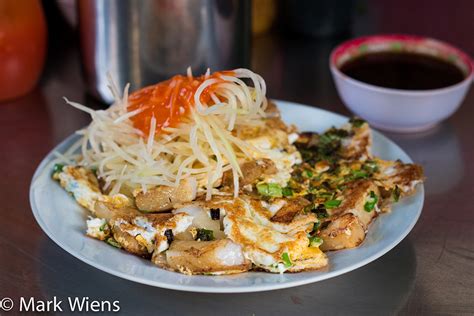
224	186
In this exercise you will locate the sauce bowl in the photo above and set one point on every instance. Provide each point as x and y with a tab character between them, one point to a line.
395	109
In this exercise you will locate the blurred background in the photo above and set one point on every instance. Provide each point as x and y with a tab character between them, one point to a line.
287	42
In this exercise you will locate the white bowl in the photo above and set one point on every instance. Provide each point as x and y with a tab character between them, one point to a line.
394	109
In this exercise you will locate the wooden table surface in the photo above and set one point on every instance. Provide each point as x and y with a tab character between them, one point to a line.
430	272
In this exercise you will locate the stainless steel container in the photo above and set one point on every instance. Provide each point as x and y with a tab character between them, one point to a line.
143	42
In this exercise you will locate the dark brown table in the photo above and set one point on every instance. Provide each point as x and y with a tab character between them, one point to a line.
430	272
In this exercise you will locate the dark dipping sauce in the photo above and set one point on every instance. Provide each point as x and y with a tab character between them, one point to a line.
406	71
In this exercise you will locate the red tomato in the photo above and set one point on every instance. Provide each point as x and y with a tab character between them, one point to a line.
22	46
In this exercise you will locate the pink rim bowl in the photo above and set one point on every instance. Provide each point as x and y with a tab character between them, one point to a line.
393	109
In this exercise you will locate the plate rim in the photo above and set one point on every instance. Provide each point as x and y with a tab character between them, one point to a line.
248	289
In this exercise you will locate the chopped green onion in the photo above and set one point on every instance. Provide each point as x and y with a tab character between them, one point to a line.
308	208
371	202
320	212
204	234
359	174
286	191
58	168
336	133
357	122
316	227
332	204
307	174
111	241
104	227
325	195
274	190
370	166
325	139
330	142
396	194
269	189
286	259
315	241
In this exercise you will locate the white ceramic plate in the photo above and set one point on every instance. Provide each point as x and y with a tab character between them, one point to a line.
64	222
